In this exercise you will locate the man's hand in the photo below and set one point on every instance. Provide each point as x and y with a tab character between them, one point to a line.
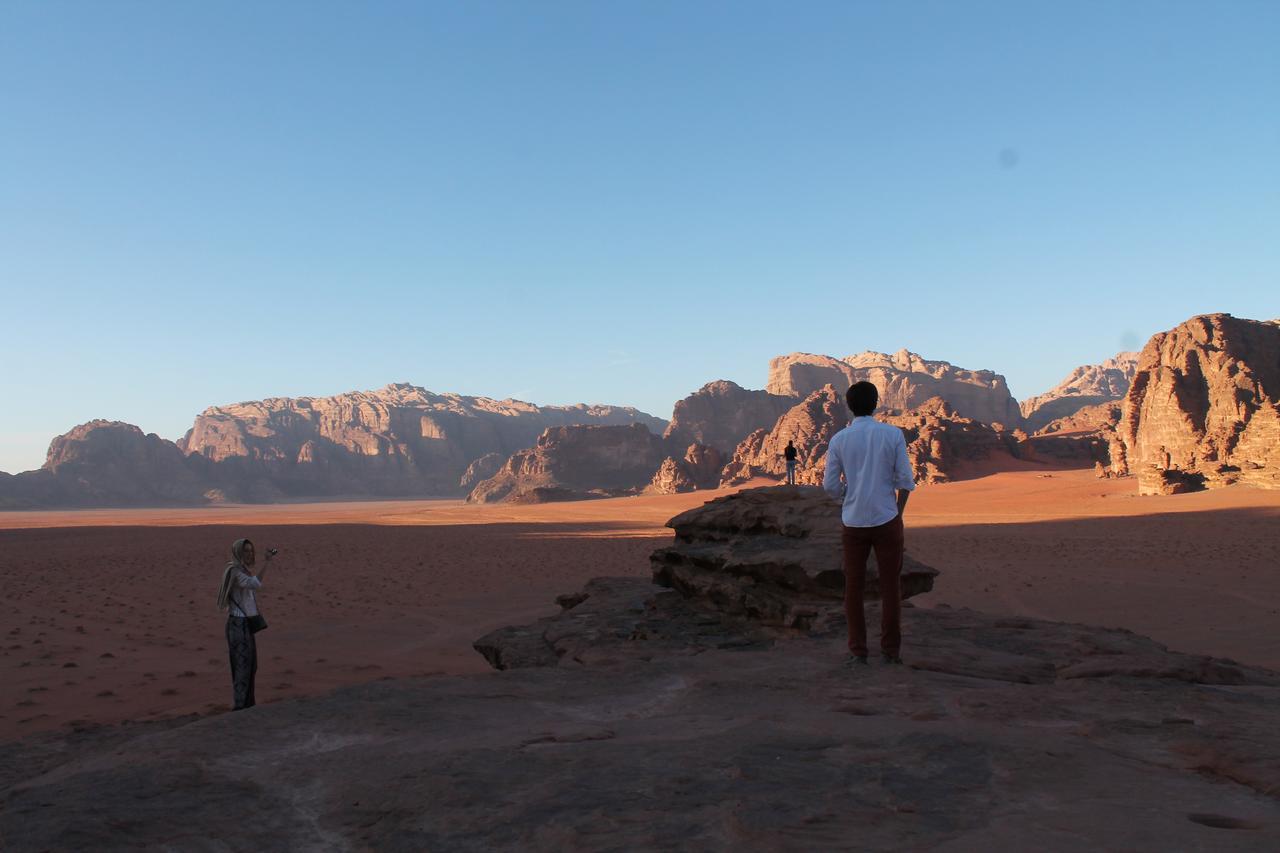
903	494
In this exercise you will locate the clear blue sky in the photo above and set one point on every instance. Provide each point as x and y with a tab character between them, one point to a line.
203	203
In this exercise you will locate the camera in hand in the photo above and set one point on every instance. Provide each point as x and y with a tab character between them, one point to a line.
271	552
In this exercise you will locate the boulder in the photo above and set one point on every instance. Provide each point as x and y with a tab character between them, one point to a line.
1204	407
772	554
905	380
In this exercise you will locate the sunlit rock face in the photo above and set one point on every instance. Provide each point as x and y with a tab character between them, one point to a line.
1204	407
905	381
399	440
1087	386
721	414
941	444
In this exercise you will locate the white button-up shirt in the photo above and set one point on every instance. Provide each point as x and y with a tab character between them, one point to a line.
241	600
866	463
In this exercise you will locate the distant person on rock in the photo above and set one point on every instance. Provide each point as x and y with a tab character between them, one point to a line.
869	472
790	454
237	596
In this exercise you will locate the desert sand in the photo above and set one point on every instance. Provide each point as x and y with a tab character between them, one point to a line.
109	614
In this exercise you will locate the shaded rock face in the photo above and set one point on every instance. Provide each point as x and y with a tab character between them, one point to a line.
667	727
772	554
699	468
400	440
905	380
1204	407
1090	385
721	414
109	463
576	462
481	469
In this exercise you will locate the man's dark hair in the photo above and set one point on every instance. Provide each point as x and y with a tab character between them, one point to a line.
862	398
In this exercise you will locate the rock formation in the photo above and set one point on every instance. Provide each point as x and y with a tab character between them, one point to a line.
941	444
1204	407
108	463
810	424
399	440
906	381
721	414
699	468
1086	386
772	554
576	462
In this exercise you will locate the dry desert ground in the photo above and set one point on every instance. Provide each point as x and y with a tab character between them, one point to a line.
109	614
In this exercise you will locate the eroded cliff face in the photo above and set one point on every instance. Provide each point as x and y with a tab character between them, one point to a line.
941	444
109	463
1086	386
576	462
1204	407
721	414
905	380
399	440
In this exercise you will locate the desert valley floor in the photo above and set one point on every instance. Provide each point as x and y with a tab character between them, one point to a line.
109	614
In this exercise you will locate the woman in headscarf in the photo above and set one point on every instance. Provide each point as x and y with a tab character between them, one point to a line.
236	596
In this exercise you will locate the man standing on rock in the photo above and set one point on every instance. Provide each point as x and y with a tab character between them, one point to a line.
869	472
789	453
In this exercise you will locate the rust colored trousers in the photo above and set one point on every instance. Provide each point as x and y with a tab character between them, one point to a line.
858	542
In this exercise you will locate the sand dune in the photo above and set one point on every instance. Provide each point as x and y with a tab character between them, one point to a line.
109	613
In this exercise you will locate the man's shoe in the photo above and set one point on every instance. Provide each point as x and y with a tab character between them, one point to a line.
855	661
891	659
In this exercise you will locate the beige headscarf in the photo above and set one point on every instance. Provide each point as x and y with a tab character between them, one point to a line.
229	574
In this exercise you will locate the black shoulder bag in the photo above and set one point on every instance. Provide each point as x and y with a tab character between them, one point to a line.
256	622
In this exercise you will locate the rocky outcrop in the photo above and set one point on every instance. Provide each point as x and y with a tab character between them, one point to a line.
109	463
481	469
399	440
771	554
1090	385
670	727
905	381
699	468
809	424
574	463
721	414
941	445
1204	407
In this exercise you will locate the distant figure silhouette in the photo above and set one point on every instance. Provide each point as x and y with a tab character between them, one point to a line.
790	454
866	462
236	596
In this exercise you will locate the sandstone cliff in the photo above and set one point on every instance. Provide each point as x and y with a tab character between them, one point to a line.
1204	407
399	440
721	414
1086	386
699	468
941	444
109	463
576	462
905	380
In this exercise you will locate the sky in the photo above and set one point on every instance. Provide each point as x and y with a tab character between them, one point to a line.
613	202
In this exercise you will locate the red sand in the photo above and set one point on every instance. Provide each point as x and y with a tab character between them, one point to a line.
109	613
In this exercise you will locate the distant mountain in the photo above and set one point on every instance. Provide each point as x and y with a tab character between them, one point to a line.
1088	385
906	381
398	441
